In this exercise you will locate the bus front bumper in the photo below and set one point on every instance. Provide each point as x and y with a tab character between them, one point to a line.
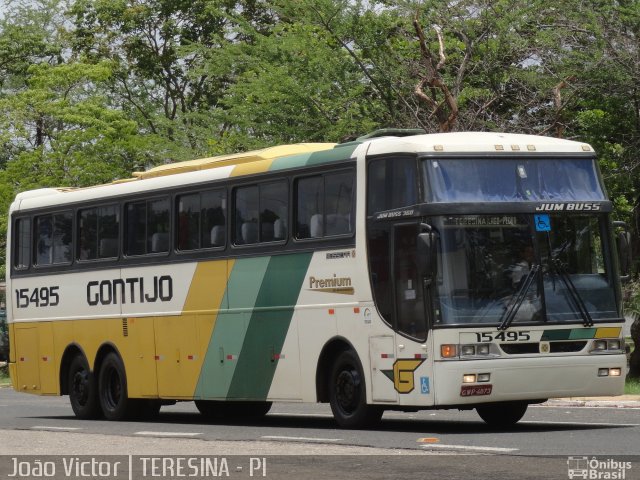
531	378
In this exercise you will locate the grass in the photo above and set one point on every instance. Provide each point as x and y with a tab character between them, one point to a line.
632	387
4	376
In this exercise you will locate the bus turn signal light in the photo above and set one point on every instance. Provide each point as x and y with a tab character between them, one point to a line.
448	351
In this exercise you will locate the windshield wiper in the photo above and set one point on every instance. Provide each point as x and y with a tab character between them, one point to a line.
587	320
509	314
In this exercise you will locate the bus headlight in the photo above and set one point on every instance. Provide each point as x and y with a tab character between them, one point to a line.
600	345
483	349
613	345
467	350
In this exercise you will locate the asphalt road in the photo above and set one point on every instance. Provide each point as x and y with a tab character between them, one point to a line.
307	444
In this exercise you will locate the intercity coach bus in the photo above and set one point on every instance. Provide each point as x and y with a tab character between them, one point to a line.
399	271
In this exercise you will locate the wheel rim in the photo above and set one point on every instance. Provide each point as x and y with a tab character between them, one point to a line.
80	387
113	389
348	390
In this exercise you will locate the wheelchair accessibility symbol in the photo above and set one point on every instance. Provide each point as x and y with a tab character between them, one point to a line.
543	223
424	385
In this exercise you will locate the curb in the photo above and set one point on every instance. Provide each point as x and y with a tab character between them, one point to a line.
608	402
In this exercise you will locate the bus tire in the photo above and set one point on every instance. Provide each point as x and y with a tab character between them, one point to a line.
112	389
348	393
83	389
502	414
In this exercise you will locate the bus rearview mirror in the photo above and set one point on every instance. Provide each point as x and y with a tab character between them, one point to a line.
623	242
426	254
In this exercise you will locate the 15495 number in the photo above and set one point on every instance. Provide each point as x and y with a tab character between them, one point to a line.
503	336
38	297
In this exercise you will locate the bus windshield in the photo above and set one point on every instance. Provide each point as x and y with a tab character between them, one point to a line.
494	268
511	179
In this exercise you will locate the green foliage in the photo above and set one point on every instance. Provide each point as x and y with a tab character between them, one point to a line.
93	89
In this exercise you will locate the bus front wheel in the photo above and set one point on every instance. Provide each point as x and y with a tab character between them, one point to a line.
112	389
348	395
83	389
502	414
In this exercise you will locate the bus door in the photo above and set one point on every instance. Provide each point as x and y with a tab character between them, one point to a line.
413	368
401	369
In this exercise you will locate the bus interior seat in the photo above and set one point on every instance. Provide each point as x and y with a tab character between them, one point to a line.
279	229
249	232
108	248
217	236
159	242
316	227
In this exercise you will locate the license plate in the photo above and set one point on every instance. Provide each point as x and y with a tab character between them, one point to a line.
473	390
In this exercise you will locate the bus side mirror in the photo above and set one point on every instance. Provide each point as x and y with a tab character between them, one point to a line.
426	254
623	242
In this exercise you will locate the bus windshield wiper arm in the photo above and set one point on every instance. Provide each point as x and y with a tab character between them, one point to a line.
521	294
587	320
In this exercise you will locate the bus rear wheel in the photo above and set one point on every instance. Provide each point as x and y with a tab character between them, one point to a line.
502	414
83	389
348	395
112	389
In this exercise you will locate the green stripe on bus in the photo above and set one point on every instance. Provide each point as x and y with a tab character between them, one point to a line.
569	334
582	333
327	156
245	283
268	326
291	161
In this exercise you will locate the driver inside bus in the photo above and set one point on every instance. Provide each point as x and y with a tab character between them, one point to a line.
520	270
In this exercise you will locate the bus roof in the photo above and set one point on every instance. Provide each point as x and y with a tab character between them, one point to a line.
297	155
475	142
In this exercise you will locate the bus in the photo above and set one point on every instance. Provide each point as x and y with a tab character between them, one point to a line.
399	271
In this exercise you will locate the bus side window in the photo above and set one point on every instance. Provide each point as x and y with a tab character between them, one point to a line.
391	184
22	245
309	207
325	205
53	239
213	218
201	220
338	203
98	231
147	227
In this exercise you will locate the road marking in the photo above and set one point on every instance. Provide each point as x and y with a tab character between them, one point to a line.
300	439
470	448
55	429
595	424
169	434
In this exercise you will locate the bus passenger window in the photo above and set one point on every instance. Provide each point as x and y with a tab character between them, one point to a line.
325	205
246	215
188	223
309	202
22	248
53	239
338	202
274	198
147	227
201	220
261	213
98	233
213	215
